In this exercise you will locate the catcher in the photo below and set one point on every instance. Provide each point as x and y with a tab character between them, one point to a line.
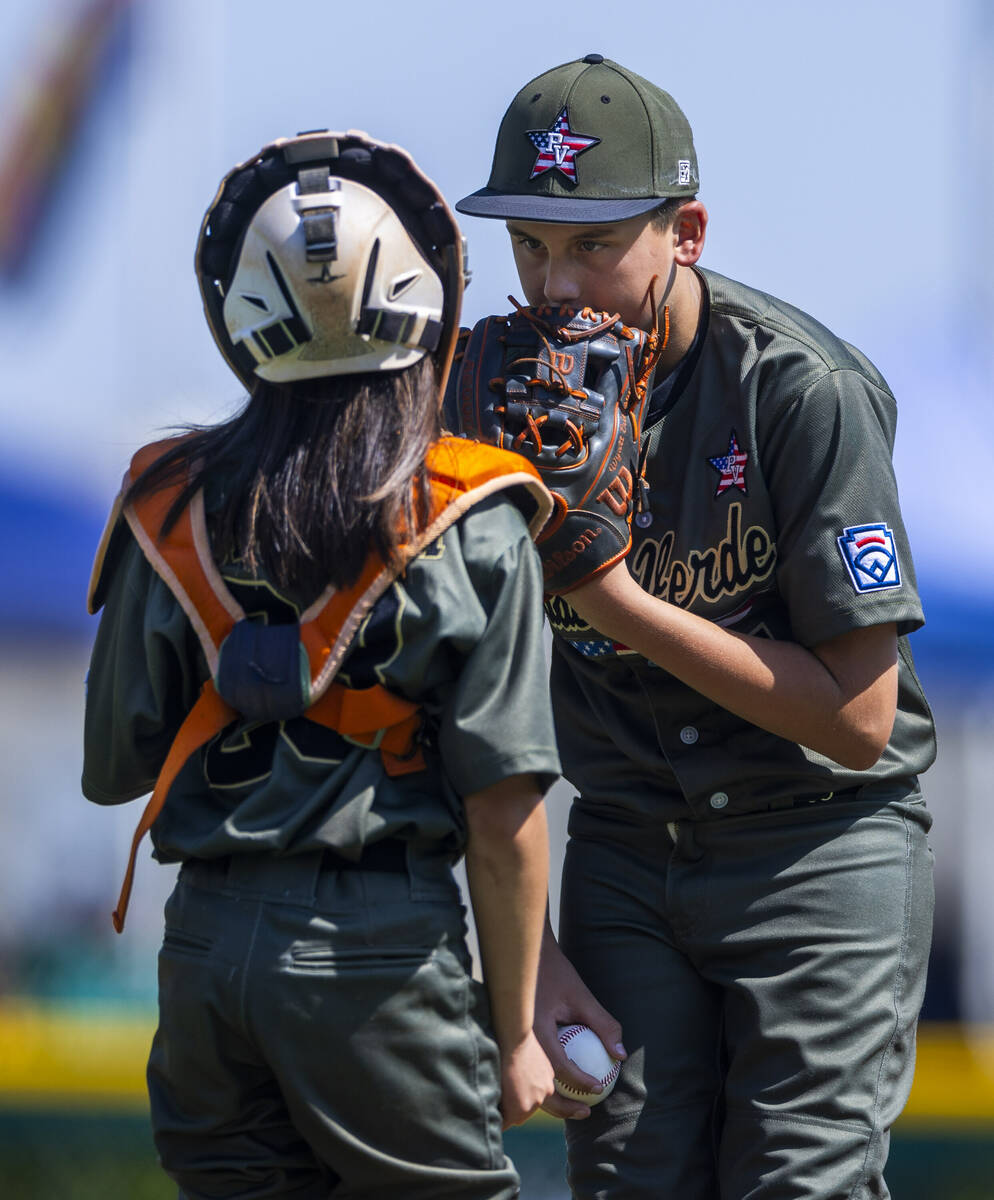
303	607
747	886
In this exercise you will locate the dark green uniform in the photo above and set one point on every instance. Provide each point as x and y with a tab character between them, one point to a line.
770	445
318	1021
756	916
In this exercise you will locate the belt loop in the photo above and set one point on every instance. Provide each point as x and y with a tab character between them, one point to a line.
311	870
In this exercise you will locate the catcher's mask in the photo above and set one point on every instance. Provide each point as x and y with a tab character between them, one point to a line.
330	254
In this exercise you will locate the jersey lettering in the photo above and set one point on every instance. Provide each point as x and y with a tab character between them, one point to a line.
742	558
563	618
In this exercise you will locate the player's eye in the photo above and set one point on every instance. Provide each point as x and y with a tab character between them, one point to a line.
588	246
528	242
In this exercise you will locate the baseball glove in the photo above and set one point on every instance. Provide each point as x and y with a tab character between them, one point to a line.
566	388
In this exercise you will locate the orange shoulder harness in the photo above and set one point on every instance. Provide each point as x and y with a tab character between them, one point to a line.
462	473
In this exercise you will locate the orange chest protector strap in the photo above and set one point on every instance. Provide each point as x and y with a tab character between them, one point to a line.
356	714
270	673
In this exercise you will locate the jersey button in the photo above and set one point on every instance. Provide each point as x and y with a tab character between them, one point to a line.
719	800
689	735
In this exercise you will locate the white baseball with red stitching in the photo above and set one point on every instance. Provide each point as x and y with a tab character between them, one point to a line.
585	1048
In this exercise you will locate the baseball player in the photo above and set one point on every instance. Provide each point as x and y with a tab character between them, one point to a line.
321	641
747	886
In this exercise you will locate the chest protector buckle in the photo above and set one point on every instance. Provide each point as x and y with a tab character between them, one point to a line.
262	671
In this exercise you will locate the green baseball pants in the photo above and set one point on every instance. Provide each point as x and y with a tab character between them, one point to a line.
320	1035
768	971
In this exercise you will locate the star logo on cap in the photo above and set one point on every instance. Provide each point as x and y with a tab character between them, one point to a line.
731	466
558	147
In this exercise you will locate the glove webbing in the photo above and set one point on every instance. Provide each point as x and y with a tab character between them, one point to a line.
557	381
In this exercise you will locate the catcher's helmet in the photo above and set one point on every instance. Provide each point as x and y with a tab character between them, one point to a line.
329	254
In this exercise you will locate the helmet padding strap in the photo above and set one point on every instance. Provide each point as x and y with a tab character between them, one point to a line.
319	224
397	327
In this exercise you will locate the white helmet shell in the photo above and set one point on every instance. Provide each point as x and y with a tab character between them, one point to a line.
330	254
329	282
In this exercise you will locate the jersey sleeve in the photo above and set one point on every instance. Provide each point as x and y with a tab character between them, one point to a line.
141	683
843	556
496	714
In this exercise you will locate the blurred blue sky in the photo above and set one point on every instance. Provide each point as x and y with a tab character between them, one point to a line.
846	159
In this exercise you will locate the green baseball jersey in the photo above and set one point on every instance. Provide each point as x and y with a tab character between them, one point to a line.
460	633
773	511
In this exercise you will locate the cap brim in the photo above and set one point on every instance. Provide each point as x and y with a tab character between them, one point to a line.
562	209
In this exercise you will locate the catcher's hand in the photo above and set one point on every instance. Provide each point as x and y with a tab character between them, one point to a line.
567	389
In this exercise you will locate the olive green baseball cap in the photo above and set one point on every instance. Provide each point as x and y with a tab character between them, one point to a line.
588	141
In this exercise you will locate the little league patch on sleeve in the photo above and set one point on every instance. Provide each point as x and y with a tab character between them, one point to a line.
870	557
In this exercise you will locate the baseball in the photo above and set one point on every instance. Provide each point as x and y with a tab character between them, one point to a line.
584	1047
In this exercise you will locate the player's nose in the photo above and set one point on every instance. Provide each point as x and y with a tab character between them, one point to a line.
561	285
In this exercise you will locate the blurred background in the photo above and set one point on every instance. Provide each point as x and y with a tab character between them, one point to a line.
847	162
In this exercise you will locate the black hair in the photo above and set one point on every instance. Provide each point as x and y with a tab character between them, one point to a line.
664	216
310	476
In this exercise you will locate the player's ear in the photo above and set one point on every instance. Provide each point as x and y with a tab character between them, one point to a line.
689	228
